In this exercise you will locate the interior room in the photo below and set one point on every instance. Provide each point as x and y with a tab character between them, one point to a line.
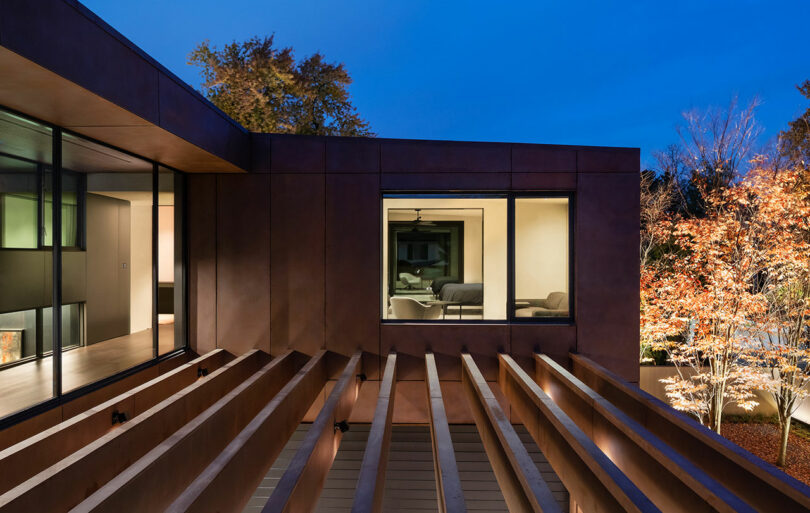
444	258
107	311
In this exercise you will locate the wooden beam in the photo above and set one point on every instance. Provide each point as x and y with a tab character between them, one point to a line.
371	482
448	484
26	429
156	479
229	481
71	480
300	486
524	489
671	481
594	482
761	485
33	455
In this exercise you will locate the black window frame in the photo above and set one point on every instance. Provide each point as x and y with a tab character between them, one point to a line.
59	397
510	197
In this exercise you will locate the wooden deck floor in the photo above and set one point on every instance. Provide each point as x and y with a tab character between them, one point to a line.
25	385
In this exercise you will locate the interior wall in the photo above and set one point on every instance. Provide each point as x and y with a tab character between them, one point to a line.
141	267
166	243
541	247
108	279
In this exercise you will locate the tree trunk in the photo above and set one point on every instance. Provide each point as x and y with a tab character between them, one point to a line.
785	425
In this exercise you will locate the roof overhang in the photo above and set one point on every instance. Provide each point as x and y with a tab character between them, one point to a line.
33	90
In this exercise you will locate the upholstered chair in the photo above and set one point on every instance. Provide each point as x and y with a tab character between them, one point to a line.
409	308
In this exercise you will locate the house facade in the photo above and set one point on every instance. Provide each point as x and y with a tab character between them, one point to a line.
179	297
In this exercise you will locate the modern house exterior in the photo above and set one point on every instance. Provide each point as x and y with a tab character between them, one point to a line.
179	297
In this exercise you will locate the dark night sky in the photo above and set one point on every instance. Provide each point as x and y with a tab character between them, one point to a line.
567	72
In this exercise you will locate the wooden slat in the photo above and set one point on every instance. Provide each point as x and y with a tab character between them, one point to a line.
228	482
25	459
448	485
671	481
18	432
155	480
71	480
300	485
595	483
761	485
521	483
371	480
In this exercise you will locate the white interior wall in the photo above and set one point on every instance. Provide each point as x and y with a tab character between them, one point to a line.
140	258
166	244
541	247
494	246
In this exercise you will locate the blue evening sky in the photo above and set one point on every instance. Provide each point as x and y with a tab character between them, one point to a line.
566	72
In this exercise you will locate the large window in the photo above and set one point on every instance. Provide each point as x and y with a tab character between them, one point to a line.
449	258
105	226
444	258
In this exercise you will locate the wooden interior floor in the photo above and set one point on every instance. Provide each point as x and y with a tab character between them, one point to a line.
25	385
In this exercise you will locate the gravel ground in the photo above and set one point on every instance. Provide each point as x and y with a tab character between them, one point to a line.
763	441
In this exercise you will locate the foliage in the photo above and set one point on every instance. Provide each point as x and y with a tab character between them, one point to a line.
266	90
794	143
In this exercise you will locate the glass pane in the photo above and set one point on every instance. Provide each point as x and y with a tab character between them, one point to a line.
107	266
25	267
171	287
444	258
541	258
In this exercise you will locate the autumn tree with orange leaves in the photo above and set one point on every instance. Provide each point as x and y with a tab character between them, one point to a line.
729	302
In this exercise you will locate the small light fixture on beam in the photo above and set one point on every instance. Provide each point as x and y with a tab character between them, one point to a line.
343	426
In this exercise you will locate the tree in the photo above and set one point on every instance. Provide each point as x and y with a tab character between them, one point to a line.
795	142
265	90
702	308
782	214
717	144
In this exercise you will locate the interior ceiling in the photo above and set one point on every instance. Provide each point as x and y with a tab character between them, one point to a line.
42	94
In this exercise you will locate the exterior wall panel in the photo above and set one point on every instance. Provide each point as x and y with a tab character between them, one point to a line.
243	253
202	265
607	272
297	262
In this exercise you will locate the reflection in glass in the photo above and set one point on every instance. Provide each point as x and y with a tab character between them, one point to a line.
106	261
171	284
26	288
541	258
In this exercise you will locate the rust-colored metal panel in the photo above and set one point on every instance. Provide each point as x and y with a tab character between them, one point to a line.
445	181
228	482
202	262
595	483
554	340
243	261
608	160
538	158
524	489
296	154
411	402
352	266
297	263
409	156
68	39
65	484
447	342
762	485
671	481
352	155
156	479
184	112
448	484
300	486
606	272
371	481
544	181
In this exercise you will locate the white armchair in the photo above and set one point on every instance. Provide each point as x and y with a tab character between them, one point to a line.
409	308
